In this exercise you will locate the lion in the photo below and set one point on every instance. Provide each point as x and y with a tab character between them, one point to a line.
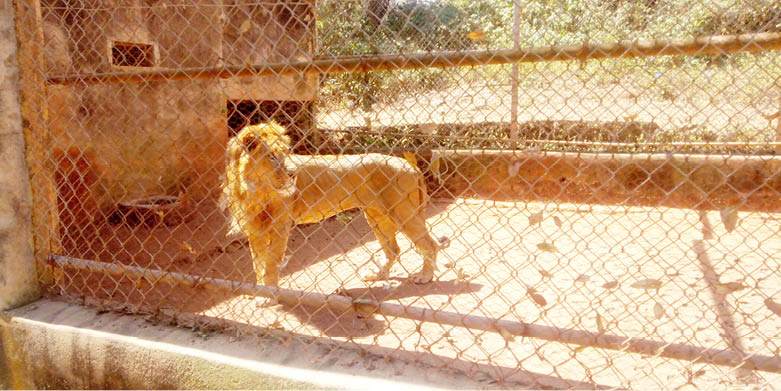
267	190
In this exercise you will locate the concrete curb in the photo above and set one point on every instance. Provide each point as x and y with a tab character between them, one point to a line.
50	344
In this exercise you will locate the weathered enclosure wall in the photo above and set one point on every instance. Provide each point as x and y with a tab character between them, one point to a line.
17	265
119	141
680	181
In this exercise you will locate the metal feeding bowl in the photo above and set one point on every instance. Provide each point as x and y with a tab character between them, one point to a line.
152	211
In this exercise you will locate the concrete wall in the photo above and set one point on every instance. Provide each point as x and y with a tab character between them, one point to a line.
673	180
17	266
163	137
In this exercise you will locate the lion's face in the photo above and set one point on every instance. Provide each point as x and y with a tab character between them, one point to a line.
259	151
255	171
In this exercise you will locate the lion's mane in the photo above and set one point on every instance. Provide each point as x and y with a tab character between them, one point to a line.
255	172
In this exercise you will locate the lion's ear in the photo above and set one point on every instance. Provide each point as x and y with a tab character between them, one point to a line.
250	141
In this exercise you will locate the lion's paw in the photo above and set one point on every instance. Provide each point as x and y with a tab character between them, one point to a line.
422	277
375	275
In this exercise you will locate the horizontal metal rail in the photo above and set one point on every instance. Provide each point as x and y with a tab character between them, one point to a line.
722	44
343	303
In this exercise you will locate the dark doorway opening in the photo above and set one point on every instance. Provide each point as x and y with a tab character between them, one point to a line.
128	54
295	116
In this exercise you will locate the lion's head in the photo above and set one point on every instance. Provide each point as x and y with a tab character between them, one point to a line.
259	140
255	171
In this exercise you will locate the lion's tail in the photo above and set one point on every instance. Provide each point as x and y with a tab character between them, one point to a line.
422	193
442	241
410	158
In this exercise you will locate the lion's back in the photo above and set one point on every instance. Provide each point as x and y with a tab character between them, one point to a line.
328	183
336	168
346	163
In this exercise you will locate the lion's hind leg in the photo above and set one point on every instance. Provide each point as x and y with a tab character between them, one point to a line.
413	225
385	230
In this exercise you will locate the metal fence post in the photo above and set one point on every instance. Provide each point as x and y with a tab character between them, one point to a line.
777	117
514	76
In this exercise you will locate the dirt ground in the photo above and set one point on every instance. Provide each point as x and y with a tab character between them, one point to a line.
675	100
493	268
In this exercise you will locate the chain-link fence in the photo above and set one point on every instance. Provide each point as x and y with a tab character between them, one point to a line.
588	192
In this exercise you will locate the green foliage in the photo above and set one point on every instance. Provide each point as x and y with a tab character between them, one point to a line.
412	26
741	17
344	28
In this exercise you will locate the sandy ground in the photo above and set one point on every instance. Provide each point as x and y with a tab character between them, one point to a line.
492	262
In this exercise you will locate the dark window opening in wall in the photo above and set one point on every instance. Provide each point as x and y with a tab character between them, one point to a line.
295	116
128	54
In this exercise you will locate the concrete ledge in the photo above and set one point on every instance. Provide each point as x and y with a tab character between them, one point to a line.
55	345
657	179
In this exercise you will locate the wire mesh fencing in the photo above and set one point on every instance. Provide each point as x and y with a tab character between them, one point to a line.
558	194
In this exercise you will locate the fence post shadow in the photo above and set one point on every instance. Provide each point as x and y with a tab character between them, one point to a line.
723	309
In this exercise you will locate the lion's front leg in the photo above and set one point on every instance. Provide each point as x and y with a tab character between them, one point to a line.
258	242
277	244
268	252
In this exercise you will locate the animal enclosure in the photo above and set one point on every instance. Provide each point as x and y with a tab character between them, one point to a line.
601	179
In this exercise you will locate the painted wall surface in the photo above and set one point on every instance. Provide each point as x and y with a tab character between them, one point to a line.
134	139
